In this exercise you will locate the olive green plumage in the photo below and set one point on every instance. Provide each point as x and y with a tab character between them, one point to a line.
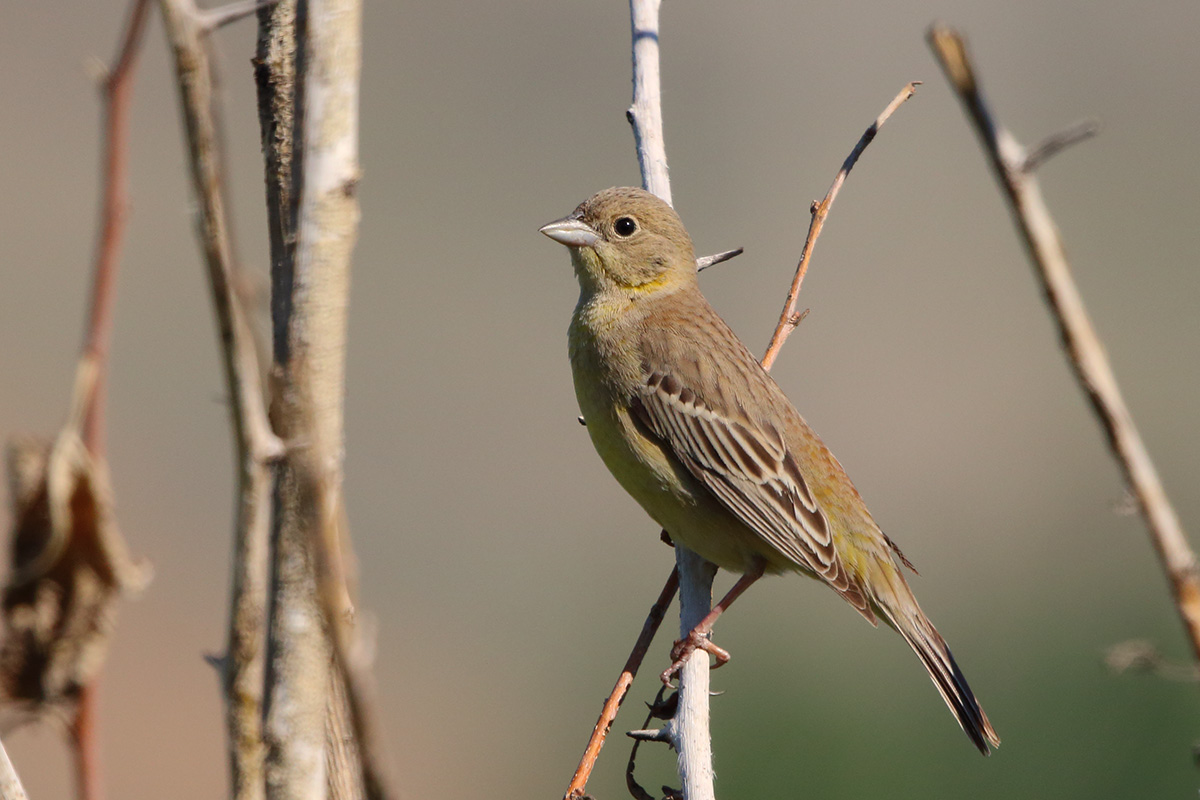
703	438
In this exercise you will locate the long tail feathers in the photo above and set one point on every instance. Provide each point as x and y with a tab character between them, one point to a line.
931	648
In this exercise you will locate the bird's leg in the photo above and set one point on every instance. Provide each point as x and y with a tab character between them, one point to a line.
697	638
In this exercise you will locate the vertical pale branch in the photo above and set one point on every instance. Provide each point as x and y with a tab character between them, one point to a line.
297	656
255	443
311	603
689	730
328	226
645	115
1013	167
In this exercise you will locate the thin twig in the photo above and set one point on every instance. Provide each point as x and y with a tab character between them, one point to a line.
1086	353
88	782
788	318
704	262
255	443
1055	143
655	710
1139	655
117	92
612	704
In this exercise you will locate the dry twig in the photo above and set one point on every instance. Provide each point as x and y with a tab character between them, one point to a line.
1139	655
70	564
789	319
1012	167
704	262
256	445
117	89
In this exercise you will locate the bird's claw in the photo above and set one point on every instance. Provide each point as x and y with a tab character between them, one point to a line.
683	649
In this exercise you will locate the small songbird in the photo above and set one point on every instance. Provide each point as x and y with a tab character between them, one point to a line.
694	428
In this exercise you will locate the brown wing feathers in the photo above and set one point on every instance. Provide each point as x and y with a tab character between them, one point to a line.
747	468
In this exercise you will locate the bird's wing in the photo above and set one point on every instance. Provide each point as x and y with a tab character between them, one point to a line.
747	468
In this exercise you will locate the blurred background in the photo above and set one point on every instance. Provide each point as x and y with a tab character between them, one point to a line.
506	572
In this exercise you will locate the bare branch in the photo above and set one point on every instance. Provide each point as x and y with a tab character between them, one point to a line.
688	729
1055	143
311	286
645	115
1085	351
704	262
297	660
788	318
117	90
255	443
658	709
1139	655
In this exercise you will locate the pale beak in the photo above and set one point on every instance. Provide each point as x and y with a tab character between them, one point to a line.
572	232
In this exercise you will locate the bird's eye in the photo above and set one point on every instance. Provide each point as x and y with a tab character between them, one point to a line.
625	226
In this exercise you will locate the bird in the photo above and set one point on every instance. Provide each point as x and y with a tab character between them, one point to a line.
702	437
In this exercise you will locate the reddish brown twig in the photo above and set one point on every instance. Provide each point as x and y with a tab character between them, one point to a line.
575	789
789	319
1013	168
117	90
88	784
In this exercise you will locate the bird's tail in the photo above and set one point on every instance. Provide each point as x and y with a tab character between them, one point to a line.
911	623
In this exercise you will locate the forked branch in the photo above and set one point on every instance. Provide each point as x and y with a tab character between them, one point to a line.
1013	167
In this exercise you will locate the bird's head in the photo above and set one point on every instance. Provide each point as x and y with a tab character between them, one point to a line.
626	239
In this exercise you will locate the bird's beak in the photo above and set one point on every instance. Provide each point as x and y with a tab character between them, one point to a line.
572	232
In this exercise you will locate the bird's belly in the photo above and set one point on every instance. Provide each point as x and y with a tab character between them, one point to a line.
665	489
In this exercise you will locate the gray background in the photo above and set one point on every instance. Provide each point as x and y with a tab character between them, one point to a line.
506	572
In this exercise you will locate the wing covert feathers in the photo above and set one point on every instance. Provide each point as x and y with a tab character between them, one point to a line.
746	466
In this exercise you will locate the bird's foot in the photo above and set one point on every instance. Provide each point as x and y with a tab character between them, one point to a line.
683	649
